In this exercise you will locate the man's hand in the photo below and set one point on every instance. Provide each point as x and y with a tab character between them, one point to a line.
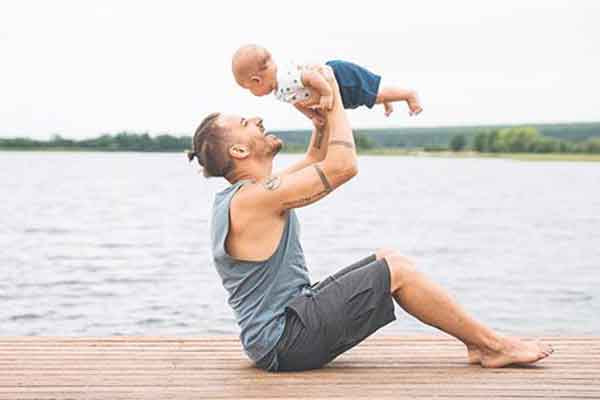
326	102
317	118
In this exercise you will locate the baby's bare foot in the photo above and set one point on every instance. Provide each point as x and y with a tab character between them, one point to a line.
414	104
514	351
389	109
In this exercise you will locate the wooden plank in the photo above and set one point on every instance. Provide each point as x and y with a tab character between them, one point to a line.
215	367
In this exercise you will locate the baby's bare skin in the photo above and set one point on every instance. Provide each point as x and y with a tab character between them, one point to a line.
255	70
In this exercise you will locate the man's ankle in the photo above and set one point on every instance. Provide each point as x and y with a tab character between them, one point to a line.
491	342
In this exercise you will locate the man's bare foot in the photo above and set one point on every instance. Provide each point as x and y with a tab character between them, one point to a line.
389	108
514	351
474	354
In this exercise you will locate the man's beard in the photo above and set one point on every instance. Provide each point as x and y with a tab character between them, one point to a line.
277	145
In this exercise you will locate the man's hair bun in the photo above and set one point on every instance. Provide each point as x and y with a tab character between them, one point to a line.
191	154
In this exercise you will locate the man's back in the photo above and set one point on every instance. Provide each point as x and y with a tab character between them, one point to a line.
254	233
258	290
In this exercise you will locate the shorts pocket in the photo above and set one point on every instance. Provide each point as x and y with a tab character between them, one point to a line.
295	333
358	312
359	308
301	349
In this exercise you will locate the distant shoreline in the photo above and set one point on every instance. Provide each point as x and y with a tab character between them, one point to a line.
370	152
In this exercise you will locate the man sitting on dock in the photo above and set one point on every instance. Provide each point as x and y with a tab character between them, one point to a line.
286	323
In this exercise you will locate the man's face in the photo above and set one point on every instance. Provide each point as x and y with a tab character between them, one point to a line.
251	132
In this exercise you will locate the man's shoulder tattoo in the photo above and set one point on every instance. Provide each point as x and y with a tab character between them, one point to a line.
272	183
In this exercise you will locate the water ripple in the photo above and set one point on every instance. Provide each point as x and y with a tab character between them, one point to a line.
25	317
54	284
125	253
150	321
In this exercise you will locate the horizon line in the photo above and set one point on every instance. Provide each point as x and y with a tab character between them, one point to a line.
173	133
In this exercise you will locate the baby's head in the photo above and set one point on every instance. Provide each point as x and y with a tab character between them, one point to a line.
254	69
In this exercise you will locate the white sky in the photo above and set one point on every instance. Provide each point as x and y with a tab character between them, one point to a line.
81	68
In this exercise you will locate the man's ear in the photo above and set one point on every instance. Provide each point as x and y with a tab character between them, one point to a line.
239	151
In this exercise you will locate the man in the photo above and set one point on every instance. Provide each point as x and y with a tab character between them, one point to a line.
286	323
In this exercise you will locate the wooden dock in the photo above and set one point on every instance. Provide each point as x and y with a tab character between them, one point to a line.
382	367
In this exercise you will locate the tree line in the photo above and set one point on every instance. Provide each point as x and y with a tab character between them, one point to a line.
122	141
548	138
522	140
127	141
439	137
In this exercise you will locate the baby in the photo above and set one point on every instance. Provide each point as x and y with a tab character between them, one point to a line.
302	85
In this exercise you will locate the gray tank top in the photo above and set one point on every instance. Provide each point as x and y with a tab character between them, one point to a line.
259	290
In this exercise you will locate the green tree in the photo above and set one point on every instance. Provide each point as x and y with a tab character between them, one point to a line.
493	137
363	141
545	145
519	139
480	143
590	146
458	142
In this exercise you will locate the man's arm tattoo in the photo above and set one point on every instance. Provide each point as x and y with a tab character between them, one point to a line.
341	143
272	183
315	196
319	138
305	200
326	183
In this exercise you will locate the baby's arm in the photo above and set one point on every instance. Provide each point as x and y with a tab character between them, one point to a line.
314	79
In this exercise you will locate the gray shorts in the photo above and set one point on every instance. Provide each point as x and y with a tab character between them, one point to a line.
342	311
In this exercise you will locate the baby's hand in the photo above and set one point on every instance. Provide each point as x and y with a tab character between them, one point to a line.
326	102
414	104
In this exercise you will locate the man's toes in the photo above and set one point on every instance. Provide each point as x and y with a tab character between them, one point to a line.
547	348
545	352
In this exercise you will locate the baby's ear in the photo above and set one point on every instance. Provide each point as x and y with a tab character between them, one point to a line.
256	79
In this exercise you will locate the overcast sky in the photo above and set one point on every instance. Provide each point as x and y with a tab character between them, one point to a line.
81	68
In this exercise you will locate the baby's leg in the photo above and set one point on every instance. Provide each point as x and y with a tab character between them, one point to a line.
389	94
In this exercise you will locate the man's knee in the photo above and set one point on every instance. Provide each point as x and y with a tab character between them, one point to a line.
402	270
384	252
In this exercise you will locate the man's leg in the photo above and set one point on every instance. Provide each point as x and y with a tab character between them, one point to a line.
361	263
431	304
377	255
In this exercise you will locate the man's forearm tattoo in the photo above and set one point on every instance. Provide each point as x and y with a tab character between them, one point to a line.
302	201
341	143
272	183
319	138
323	179
305	200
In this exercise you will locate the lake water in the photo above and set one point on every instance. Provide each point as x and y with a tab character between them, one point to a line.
118	243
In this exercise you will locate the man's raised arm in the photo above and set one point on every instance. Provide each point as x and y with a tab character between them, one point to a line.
316	151
317	147
313	182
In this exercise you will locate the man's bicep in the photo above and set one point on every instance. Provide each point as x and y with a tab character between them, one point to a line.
293	190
